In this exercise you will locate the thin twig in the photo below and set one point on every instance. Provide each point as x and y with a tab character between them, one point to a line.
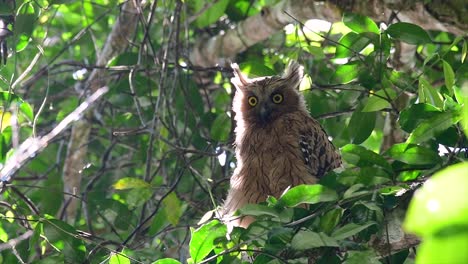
34	145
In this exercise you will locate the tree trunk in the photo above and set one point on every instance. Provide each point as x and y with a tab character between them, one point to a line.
75	160
430	16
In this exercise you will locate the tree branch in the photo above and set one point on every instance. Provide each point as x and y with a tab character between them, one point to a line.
219	49
116	43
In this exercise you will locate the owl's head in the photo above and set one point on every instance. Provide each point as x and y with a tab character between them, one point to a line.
262	100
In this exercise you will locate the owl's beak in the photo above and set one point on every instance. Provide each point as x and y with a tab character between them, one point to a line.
265	111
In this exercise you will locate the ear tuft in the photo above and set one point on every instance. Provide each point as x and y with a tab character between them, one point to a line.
293	74
239	80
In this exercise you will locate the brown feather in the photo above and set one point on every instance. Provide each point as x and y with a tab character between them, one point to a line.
270	151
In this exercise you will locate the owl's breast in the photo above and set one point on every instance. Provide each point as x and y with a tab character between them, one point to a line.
270	159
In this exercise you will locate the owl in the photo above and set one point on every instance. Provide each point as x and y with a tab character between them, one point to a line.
278	144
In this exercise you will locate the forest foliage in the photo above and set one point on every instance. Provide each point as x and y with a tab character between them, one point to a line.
160	154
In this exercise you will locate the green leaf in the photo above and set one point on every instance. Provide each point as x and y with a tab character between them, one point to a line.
240	9
441	203
158	222
360	257
431	127
126	58
203	239
306	239
464	110
354	191
446	249
258	210
347	72
173	208
64	239
409	33
27	110
119	258
360	23
350	44
308	194
367	176
211	14
413	154
464	51
363	157
138	196
330	219
428	94
254	68
361	125
317	52
349	230
377	102
449	76
221	128
411	117
166	261
130	183
24	24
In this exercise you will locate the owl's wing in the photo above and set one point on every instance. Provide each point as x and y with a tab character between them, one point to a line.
318	152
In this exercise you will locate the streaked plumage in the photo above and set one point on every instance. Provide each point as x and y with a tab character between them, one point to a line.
278	144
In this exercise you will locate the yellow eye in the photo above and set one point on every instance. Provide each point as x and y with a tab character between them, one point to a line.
253	101
277	98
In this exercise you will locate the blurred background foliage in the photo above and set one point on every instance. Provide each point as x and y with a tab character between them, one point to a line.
160	151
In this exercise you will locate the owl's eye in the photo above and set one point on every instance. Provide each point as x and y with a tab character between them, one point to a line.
252	100
277	98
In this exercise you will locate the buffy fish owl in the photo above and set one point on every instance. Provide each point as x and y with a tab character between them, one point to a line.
278	144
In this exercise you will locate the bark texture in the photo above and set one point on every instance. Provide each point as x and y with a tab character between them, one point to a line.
75	160
217	50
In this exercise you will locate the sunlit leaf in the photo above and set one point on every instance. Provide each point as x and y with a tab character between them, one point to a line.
439	204
203	239
255	69
449	77
380	100
308	194
130	183
27	110
347	72
360	23
428	94
464	111
444	249
5	118
413	154
464	51
119	258
351	44
212	11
